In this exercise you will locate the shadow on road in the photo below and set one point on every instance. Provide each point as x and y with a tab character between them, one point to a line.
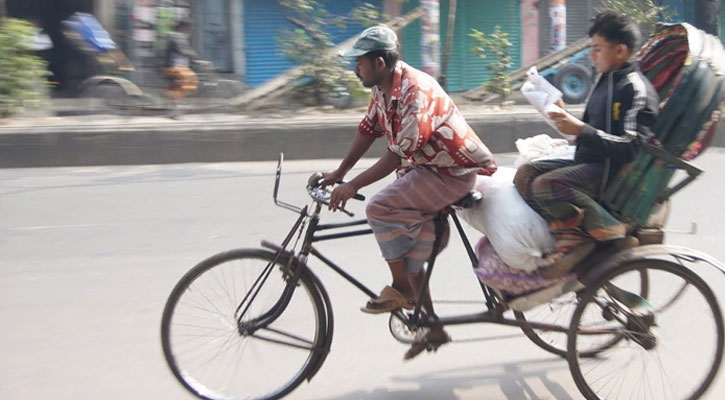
515	380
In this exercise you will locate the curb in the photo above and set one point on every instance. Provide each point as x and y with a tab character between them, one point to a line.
234	139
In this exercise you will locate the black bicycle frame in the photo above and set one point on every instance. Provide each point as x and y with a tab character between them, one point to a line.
493	314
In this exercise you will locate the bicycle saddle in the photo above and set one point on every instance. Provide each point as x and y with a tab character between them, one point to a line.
469	200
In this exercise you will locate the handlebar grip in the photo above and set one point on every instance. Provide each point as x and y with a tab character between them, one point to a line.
357	196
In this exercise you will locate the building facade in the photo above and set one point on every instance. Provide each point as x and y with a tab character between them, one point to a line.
241	37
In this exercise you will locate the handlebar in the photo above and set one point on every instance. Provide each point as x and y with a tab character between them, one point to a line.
316	180
322	194
314	187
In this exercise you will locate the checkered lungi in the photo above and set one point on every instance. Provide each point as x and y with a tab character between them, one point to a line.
401	215
564	193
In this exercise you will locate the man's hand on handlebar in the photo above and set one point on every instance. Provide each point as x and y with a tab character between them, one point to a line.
340	195
332	177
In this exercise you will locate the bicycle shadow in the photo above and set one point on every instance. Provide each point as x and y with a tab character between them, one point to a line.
443	385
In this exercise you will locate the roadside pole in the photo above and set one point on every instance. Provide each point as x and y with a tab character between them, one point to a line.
557	12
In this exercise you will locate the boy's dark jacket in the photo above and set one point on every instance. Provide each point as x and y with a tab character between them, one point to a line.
620	111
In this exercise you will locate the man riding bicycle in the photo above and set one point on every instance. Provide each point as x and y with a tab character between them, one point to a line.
436	155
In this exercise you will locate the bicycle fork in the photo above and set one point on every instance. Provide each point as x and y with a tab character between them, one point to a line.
291	272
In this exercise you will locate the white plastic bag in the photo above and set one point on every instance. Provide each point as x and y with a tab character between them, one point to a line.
519	235
540	147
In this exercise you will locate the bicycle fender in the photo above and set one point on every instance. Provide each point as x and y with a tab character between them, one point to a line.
329	321
327	344
129	87
649	252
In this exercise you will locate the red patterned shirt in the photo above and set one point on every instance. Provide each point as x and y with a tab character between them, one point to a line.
424	127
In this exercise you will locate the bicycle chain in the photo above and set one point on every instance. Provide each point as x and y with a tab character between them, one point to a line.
477	339
489	338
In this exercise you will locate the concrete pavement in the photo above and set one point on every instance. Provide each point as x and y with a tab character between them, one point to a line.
88	256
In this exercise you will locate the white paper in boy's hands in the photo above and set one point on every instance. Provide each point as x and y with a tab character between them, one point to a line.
539	91
555	108
543	96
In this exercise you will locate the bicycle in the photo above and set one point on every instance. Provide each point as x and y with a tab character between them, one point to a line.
263	341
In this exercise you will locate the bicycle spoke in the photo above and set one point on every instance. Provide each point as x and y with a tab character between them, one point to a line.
212	354
660	354
277	341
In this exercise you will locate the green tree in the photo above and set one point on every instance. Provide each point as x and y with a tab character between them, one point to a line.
325	75
496	47
646	12
22	74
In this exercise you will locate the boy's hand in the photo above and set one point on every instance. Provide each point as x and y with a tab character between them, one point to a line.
566	123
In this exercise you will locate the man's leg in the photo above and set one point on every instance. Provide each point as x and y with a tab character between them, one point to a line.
401	281
401	216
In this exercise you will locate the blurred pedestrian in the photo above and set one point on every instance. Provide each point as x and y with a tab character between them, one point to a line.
178	58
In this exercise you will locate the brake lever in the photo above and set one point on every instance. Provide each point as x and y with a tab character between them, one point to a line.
327	203
357	196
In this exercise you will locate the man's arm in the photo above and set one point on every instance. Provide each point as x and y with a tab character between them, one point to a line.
382	168
359	147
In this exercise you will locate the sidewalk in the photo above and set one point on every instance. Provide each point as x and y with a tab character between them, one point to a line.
48	141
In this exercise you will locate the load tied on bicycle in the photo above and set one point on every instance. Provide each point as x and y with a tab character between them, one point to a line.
571	251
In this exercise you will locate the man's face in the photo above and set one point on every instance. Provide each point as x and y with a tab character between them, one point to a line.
607	56
367	70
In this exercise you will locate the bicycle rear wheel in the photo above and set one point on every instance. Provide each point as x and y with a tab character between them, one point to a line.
214	355
672	344
559	312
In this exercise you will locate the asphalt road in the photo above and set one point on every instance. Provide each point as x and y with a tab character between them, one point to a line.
88	256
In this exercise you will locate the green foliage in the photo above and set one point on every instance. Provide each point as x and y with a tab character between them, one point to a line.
645	12
22	74
326	76
496	47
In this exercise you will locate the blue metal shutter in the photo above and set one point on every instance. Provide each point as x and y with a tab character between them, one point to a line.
465	70
264	23
722	23
216	34
410	37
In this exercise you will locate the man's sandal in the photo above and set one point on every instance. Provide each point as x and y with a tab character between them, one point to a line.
428	342
388	300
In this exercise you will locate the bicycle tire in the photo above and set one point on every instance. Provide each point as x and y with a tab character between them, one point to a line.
647	345
556	342
306	347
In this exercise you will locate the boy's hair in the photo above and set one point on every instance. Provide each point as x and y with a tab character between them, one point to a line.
389	56
616	28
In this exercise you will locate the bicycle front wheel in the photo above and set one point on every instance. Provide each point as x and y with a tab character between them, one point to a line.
672	343
220	335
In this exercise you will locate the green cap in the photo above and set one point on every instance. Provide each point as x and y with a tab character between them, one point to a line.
378	37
